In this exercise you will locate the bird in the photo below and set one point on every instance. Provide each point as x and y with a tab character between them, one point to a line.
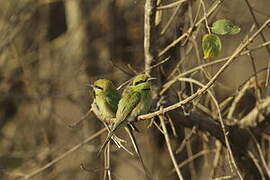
106	99
105	103
136	100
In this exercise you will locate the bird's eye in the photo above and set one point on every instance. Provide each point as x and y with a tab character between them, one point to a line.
140	82
98	87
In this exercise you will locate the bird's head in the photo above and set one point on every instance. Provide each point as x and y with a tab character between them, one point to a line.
102	85
142	82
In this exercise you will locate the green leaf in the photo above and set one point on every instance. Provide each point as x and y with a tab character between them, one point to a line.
224	26
211	46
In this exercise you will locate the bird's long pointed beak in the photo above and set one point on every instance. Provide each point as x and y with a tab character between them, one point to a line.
89	85
151	78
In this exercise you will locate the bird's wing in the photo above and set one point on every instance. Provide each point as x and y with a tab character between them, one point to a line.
128	102
112	99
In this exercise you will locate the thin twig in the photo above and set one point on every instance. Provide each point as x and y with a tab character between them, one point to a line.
146	70
250	55
257	164
189	31
171	5
166	27
224	178
121	69
172	126
191	164
253	117
65	154
221	122
181	147
216	159
205	17
260	153
167	85
185	53
237	99
107	170
158	64
263	38
211	82
195	156
81	119
257	86
167	138
137	150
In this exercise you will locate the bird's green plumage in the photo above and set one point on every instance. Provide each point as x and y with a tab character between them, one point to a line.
106	98
136	100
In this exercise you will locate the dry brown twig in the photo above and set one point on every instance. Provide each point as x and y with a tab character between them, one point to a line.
182	145
260	152
205	17
167	138
237	51
198	93
263	38
183	163
165	28
65	154
255	116
171	5
168	84
216	159
189	31
256	162
237	99
221	122
107	163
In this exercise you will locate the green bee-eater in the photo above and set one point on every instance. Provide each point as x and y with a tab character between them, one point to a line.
105	103
106	99
136	100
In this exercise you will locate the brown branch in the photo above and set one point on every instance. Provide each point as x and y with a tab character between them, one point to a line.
262	37
150	52
167	85
255	116
239	139
167	138
171	5
211	82
190	30
62	156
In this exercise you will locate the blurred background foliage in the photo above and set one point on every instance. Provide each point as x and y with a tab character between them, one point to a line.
51	49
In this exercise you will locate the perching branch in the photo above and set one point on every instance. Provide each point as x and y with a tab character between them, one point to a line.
237	51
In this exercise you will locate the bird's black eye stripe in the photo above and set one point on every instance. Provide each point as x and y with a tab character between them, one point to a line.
98	87
140	82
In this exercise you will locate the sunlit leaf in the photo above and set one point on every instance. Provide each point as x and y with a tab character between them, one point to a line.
224	26
211	46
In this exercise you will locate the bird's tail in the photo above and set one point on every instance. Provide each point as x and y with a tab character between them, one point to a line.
105	142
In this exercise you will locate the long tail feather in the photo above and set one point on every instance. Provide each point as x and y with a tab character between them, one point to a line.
137	150
105	142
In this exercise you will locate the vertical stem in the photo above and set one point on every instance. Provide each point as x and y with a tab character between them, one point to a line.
150	52
264	40
167	138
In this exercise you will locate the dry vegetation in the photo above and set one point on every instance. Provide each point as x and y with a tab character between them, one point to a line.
211	117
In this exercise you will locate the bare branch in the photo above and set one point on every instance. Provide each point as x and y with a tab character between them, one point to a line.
59	158
214	78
